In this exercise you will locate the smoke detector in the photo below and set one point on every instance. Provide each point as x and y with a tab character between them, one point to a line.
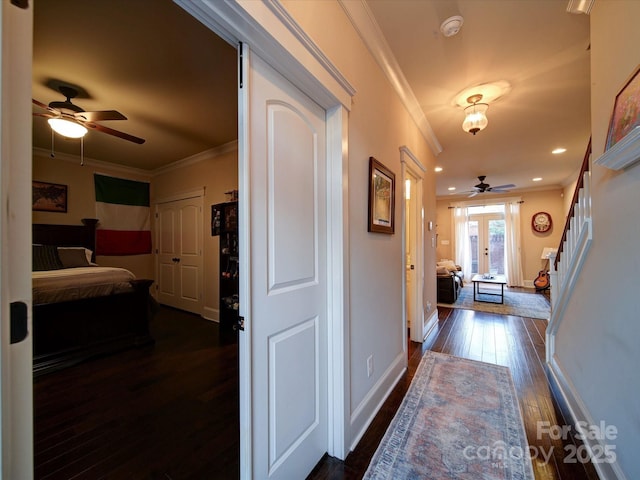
451	26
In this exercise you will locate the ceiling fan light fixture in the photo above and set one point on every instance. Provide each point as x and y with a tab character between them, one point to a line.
475	115
67	128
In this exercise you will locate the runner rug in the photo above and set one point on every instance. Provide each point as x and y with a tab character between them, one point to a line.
459	420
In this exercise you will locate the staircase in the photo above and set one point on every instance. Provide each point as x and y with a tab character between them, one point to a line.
566	264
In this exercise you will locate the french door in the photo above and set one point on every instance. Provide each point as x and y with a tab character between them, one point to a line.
486	238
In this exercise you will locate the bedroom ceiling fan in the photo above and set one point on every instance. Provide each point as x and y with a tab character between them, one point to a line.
68	119
485	187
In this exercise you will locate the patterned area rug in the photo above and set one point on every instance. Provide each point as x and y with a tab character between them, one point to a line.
458	420
532	305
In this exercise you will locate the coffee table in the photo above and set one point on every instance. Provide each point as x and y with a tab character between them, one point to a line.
494	279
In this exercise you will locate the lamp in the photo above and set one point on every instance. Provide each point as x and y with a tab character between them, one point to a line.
475	118
67	128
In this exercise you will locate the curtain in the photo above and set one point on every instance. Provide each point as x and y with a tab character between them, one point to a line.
463	246
513	245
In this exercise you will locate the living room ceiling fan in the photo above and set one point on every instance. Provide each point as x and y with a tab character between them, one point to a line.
72	121
485	187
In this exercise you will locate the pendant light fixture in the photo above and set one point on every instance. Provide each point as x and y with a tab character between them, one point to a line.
475	115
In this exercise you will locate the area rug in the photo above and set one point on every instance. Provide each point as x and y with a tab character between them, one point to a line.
459	420
532	305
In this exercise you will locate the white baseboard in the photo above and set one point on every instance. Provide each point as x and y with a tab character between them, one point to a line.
212	314
431	323
580	415
364	413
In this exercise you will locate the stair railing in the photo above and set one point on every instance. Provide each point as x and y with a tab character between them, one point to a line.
565	265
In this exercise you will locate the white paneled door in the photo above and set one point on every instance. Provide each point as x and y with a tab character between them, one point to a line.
179	254
284	347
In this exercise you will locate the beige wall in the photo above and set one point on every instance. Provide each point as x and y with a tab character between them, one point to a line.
215	175
550	201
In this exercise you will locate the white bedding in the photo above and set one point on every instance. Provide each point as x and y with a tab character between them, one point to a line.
52	286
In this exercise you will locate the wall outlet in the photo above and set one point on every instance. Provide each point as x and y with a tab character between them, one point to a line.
369	366
428	306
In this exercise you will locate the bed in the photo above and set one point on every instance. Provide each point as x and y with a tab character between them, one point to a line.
82	310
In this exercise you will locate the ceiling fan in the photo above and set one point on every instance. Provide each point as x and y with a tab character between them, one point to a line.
68	114
485	187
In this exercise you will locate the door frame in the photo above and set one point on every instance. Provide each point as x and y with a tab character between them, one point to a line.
198	194
412	166
274	35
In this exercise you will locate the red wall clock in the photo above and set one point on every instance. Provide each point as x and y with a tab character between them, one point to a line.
541	222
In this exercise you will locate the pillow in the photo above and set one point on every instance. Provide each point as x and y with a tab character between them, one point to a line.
87	253
45	257
442	271
448	264
73	257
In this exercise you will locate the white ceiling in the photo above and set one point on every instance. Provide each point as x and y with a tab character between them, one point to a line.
176	81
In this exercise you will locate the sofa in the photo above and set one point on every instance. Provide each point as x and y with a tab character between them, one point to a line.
450	279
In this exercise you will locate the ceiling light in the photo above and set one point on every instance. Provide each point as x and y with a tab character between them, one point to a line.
580	6
451	189
475	118
537	179
558	151
67	128
451	26
437	169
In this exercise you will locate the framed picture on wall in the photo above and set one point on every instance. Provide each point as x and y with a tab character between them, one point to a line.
626	110
382	187
49	197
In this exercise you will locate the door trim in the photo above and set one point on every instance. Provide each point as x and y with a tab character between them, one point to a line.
411	165
282	43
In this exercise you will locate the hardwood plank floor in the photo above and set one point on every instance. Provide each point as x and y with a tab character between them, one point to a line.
166	412
511	341
171	411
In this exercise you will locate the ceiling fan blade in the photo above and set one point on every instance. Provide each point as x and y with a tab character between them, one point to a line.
100	115
473	194
43	106
509	185
115	133
45	115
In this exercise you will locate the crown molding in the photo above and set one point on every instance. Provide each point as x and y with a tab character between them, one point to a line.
198	157
92	162
365	24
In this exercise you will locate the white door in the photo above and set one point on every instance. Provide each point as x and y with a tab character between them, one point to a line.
283	293
486	237
16	388
179	254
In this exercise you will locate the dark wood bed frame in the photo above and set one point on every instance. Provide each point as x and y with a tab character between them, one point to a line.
70	332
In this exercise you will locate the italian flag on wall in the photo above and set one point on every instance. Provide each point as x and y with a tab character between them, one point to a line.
122	209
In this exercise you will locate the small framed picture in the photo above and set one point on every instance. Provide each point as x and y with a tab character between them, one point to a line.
626	110
49	197
382	187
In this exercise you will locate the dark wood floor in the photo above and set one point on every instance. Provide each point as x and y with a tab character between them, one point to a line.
167	412
171	411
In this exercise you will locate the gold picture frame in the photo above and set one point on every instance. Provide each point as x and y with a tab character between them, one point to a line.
382	188
626	110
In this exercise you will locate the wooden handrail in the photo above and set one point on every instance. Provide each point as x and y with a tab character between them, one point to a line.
574	201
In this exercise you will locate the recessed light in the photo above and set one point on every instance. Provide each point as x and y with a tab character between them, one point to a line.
451	189
558	151
537	179
438	169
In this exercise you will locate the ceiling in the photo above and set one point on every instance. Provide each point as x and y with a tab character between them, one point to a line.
176	82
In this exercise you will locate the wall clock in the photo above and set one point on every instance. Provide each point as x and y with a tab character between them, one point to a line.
541	222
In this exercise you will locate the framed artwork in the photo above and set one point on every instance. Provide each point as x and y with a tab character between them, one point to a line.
626	110
382	188
49	197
